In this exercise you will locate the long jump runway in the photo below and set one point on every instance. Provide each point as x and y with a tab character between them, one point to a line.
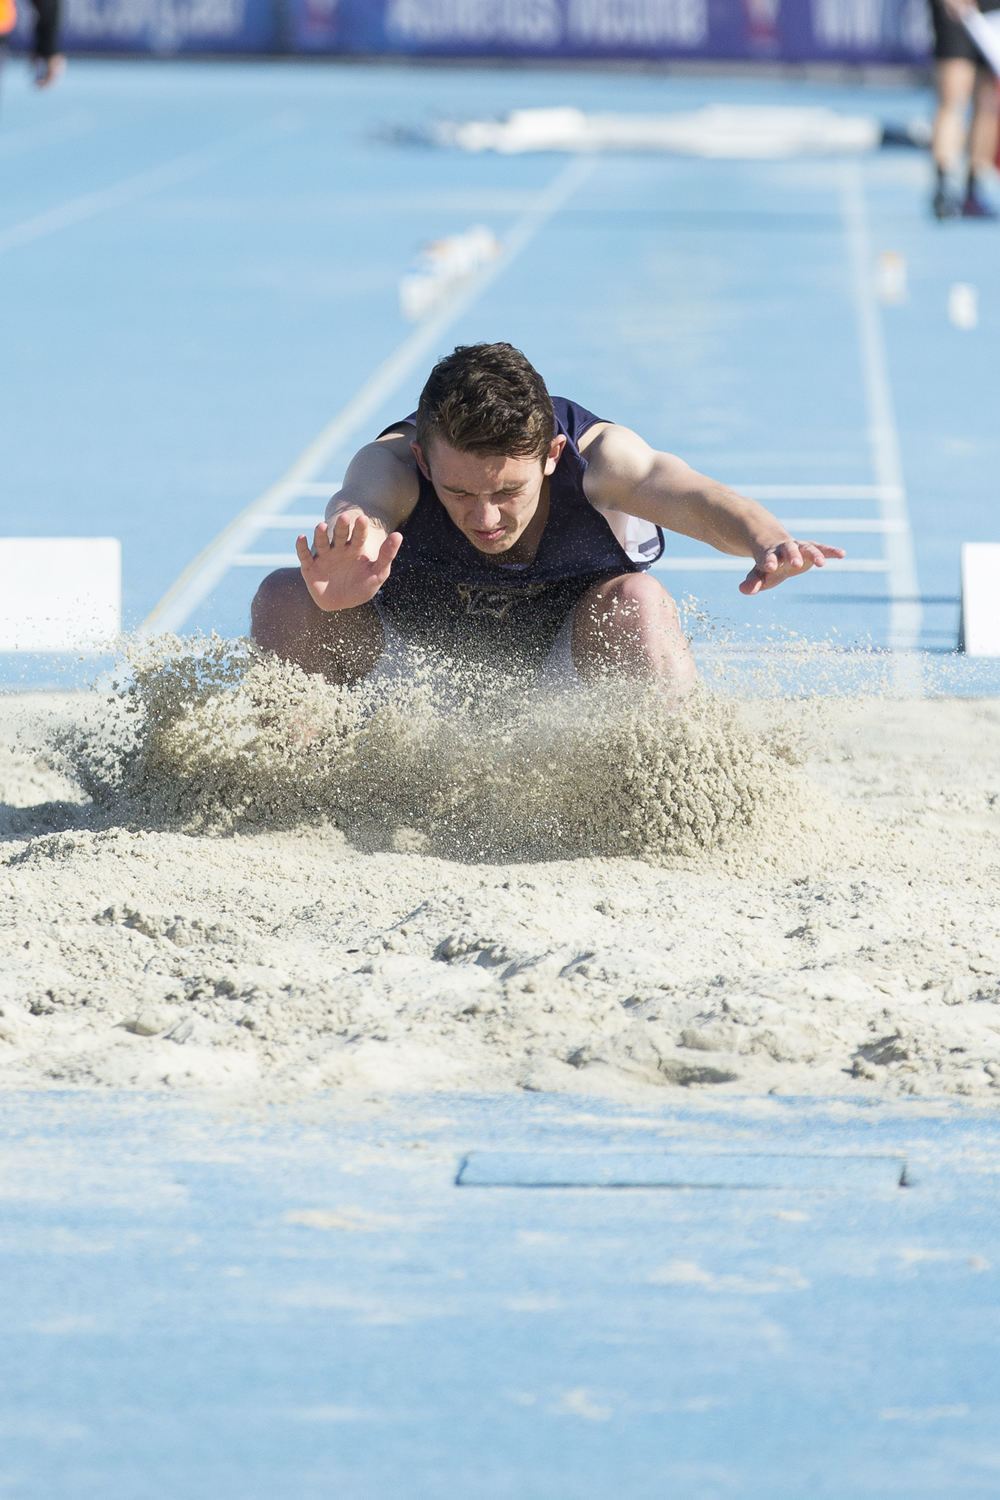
540	1296
202	264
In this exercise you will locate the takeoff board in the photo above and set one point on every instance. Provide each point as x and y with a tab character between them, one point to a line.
59	593
981	598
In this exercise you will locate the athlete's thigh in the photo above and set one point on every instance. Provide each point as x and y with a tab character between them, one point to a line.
956	77
342	644
986	95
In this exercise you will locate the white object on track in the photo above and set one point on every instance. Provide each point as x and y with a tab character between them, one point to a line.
892	278
444	266
963	305
60	593
717	130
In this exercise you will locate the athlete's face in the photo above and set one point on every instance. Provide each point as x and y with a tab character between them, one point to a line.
491	499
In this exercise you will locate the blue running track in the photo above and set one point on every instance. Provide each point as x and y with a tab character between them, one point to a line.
305	1305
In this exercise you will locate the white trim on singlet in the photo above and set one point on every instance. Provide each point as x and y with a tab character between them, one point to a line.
638	539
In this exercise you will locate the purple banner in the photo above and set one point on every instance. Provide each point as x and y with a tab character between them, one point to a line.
163	27
868	31
845	31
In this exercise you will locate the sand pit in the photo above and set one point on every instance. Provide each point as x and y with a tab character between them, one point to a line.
234	879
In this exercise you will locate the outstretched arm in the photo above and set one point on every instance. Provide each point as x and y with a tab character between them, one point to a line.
626	474
352	551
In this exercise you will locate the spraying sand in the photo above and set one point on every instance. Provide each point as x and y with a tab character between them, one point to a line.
225	875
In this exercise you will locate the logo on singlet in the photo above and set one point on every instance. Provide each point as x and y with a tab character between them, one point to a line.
493	602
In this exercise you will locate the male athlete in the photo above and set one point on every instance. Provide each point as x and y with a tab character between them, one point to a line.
510	531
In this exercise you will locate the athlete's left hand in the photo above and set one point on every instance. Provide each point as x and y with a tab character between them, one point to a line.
785	560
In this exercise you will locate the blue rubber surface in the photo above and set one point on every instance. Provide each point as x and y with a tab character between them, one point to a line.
303	1304
170	355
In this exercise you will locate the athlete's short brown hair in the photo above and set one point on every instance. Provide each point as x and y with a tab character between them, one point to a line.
487	398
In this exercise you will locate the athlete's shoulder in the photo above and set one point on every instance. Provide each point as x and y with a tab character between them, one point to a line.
573	419
400	426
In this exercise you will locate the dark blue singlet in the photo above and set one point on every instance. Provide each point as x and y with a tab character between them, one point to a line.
445	594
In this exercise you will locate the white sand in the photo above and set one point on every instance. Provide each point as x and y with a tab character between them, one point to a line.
843	941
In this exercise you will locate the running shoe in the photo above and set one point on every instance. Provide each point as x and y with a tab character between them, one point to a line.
973	207
944	205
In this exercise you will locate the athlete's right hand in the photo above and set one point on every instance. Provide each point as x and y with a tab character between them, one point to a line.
348	561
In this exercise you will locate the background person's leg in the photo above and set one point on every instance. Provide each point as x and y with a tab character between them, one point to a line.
629	627
343	645
956	78
982	144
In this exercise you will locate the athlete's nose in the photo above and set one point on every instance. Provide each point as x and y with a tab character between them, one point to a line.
486	515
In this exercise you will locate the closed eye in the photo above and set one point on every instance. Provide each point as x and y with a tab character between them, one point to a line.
496	494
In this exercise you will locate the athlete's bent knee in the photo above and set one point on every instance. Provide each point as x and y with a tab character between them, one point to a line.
278	606
637	590
280	586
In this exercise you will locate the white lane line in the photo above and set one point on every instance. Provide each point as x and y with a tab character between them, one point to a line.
200	577
744	564
288	522
820	491
52	133
665	564
905	613
131	188
804	525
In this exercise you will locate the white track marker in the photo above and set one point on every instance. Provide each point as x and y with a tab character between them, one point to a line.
905	615
963	305
892	288
201	576
443	268
140	186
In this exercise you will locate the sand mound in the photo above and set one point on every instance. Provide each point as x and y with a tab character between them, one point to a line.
217	740
237	877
